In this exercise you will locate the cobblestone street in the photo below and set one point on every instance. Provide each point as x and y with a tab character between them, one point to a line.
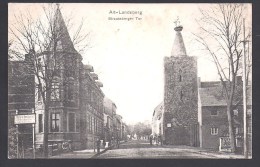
143	150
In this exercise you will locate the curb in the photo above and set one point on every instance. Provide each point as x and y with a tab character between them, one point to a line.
214	154
101	152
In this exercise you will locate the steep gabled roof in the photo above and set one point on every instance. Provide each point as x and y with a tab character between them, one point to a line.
64	41
211	96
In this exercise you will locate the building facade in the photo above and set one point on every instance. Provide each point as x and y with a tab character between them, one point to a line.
157	121
92	108
119	125
76	100
21	95
110	128
109	110
212	116
180	95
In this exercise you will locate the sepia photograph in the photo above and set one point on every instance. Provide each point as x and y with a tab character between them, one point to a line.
129	81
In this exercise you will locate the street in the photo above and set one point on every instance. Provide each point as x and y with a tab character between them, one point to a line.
143	150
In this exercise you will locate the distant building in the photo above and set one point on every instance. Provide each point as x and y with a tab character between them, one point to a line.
180	95
92	108
109	114
157	121
124	132
119	125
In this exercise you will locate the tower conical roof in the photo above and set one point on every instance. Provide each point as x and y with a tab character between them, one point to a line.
178	48
64	41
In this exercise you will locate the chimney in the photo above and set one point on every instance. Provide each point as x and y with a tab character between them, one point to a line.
239	80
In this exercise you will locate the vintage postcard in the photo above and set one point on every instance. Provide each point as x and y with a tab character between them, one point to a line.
129	81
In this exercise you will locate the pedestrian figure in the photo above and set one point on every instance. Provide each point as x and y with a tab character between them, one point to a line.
117	142
151	140
104	143
98	145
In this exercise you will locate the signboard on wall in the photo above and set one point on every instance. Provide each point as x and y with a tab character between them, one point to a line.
24	119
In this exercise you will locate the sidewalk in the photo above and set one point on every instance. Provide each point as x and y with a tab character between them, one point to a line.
78	154
213	153
82	154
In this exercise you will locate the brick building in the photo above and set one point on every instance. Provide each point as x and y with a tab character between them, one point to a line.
76	108
119	125
110	130
21	95
180	95
91	98
108	119
212	115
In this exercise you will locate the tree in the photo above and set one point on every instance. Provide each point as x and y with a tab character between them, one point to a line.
221	36
140	129
41	44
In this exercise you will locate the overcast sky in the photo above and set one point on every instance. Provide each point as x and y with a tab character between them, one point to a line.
128	55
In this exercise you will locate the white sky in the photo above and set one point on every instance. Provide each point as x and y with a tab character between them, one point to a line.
128	55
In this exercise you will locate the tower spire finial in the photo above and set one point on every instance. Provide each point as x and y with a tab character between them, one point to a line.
58	5
178	48
178	26
177	22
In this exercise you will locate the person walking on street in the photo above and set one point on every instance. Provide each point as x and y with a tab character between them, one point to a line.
117	142
151	139
98	145
160	139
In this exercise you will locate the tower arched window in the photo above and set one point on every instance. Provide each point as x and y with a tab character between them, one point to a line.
181	95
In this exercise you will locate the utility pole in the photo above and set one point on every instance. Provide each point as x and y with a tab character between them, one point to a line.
17	138
244	96
33	135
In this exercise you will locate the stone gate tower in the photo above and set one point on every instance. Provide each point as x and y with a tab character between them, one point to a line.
180	95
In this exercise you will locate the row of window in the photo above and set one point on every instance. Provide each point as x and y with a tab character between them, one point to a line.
215	112
55	92
214	130
55	122
94	125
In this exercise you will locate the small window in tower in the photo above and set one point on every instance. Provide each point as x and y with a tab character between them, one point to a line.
181	95
180	77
